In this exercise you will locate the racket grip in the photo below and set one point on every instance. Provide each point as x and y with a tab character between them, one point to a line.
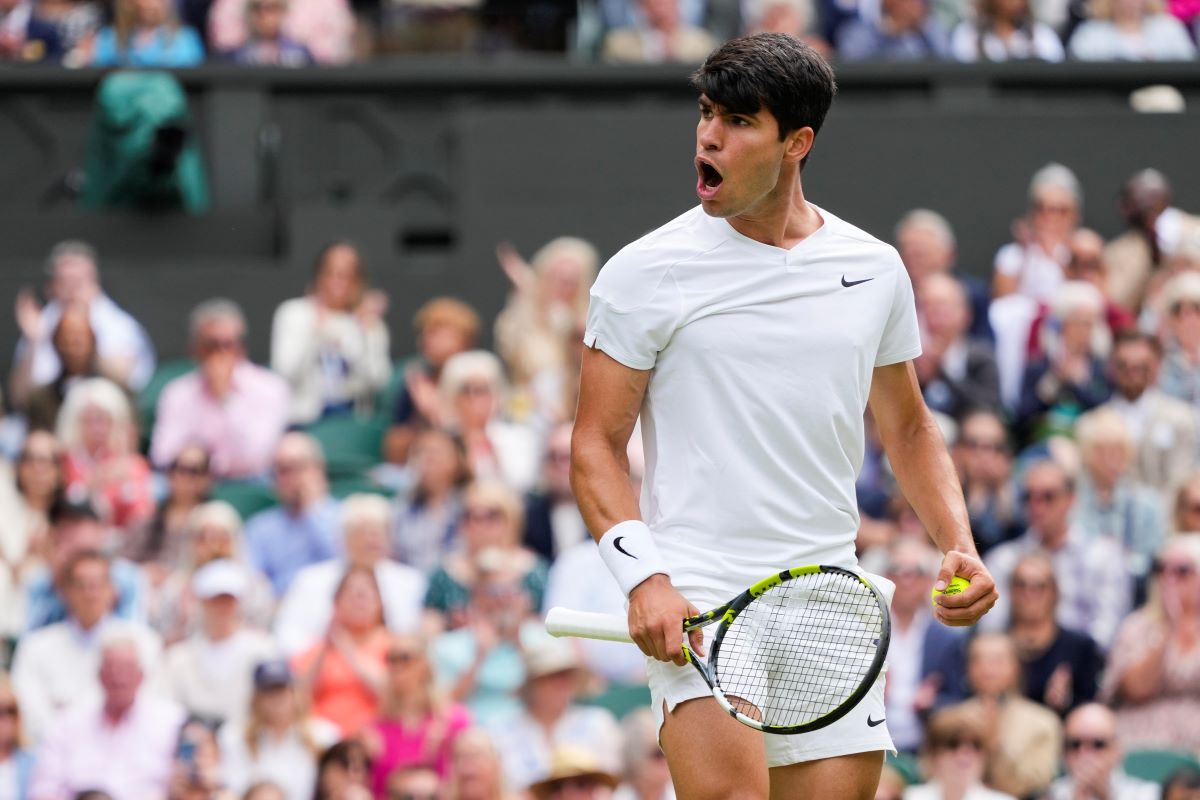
587	625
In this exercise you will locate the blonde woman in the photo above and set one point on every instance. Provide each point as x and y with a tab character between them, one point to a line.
475	770
416	725
96	428
145	33
493	519
1153	674
1131	30
1005	30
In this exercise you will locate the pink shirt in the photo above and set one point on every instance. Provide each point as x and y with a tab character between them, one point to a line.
325	27
130	760
428	743
240	431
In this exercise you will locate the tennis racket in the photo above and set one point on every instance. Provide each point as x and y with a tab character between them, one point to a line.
793	653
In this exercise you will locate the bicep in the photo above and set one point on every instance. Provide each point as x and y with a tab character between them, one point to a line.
610	398
895	399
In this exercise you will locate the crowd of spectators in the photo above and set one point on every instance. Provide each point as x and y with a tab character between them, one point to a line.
297	33
203	596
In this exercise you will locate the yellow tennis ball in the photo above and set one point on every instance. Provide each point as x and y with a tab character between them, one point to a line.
957	586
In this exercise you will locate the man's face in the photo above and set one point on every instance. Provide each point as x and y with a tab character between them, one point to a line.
295	471
89	593
441	341
982	449
1033	590
905	14
73	536
992	666
1053	213
923	251
558	462
1048	500
120	676
74	280
943	308
738	160
911	577
219	341
1134	369
366	543
1090	746
75	344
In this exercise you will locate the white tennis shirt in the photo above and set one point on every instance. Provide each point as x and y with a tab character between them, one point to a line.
762	361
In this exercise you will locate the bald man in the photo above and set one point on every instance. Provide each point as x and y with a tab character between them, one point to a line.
1093	760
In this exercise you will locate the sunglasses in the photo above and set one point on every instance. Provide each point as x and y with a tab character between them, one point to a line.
907	572
484	515
1177	571
195	470
1052	208
958	744
984	444
475	389
38	458
219	345
1033	586
398	657
412	796
1045	496
260	7
1096	743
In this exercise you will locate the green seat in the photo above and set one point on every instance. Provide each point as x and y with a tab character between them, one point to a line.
386	400
147	401
352	445
247	497
357	484
1156	765
620	698
908	767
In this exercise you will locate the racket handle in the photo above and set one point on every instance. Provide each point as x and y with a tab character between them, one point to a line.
587	625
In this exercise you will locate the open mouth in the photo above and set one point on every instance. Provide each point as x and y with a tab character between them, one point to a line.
709	180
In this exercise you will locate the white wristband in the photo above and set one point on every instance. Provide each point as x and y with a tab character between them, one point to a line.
629	553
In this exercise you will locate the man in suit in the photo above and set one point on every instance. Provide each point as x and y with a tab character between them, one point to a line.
957	373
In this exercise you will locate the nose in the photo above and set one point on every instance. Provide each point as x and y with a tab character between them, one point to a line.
708	134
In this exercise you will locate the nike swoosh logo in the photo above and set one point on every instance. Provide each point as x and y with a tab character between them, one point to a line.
848	284
871	723
622	550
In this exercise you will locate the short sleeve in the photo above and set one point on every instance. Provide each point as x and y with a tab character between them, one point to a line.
1010	260
901	340
632	334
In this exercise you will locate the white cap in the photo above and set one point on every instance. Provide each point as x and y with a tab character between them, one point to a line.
219	577
547	655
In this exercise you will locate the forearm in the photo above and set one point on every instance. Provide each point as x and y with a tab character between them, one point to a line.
600	478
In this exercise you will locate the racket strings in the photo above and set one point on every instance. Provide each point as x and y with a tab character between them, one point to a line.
799	651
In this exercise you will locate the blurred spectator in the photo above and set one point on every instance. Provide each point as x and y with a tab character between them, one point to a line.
1187	505
644	765
416	725
891	784
276	742
264	790
492	520
75	527
303	529
210	672
163	540
1090	571
75	345
1154	230
1060	667
983	455
957	373
305	610
953	759
575	774
122	743
1131	30
212	532
196	771
1070	378
927	246
660	36
77	22
266	44
553	523
344	672
1109	503
99	437
472	391
16	762
1005	30
445	327
906	31
1182	784
55	666
551	719
413	783
1021	738
25	38
925	661
536	330
1181	338
1032	265
324	27
475	772
73	279
1163	428
235	409
25	507
794	17
479	664
344	772
145	33
1093	760
1153	675
332	344
427	521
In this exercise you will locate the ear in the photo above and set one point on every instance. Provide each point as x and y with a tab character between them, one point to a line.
798	144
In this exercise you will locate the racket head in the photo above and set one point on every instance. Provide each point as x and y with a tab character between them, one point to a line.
799	649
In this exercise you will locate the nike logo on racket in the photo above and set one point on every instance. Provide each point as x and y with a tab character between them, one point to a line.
871	723
848	284
622	550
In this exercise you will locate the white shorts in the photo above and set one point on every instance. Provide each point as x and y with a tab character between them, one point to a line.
862	730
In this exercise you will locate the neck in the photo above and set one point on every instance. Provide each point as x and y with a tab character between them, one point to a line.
546	717
904	616
1052	539
115	713
410	705
220	631
1034	629
783	218
39	502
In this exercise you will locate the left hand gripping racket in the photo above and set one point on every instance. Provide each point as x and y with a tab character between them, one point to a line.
793	653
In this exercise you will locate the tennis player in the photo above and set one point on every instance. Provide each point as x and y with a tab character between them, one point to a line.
750	334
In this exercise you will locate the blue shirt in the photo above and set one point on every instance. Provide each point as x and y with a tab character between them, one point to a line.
162	49
44	606
280	545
